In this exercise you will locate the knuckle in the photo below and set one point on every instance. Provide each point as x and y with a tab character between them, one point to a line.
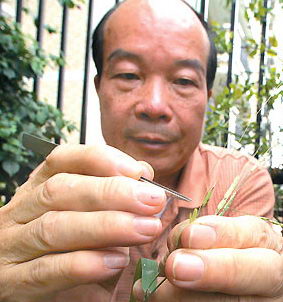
46	230
268	238
51	189
71	268
37	271
111	187
264	237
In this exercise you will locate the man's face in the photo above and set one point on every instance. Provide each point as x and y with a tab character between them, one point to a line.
152	89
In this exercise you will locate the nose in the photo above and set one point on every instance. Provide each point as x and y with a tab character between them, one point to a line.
153	103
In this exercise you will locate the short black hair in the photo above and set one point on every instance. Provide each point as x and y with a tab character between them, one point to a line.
98	40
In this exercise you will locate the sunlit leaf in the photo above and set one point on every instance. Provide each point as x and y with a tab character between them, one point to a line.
273	41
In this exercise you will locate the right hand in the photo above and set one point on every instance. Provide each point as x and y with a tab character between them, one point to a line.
70	225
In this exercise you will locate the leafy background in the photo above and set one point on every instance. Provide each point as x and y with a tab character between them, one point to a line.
21	60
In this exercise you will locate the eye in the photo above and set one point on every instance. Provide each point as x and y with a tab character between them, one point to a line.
184	82
127	76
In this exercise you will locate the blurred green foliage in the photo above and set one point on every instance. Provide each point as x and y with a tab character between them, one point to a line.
21	60
243	88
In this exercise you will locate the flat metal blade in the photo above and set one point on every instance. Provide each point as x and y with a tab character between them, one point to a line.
37	145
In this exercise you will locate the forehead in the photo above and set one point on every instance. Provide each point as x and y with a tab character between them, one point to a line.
158	24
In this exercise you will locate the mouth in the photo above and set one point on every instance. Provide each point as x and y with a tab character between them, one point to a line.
151	143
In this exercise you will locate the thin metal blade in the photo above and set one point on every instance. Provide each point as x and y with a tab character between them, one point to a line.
170	191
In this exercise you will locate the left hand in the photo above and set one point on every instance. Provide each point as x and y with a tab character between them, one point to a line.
223	259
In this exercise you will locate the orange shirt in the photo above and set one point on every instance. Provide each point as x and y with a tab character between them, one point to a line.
209	166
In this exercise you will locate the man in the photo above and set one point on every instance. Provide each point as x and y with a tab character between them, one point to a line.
65	235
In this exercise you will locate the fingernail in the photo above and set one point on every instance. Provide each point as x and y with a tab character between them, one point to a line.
201	236
116	261
149	194
147	226
132	168
146	172
187	267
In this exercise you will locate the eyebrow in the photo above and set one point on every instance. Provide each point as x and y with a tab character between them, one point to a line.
194	64
123	54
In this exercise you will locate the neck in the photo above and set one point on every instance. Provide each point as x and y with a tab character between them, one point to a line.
169	181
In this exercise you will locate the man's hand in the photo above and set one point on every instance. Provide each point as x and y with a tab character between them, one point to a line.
72	222
224	259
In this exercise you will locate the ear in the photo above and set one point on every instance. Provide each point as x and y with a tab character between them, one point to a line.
96	82
209	94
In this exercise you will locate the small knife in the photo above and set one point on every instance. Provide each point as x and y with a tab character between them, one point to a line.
44	147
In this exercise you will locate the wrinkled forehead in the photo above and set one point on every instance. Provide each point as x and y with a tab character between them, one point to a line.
155	16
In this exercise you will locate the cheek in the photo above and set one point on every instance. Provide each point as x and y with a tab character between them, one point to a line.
113	114
191	116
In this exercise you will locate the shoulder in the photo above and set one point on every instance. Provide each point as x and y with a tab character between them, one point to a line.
255	193
224	156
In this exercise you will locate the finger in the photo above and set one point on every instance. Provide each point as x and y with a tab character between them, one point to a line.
233	232
67	231
52	273
87	292
98	160
148	171
167	292
69	192
253	271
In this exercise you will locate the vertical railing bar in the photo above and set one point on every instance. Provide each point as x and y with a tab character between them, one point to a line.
202	7
260	78
230	61
61	73
86	74
19	10
39	35
232	28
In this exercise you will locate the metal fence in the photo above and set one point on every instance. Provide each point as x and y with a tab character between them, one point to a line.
203	7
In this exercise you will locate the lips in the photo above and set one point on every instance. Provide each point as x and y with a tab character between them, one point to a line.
151	138
151	141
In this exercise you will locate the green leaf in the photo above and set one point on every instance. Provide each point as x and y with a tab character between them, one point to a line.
271	52
9	73
273	41
146	270
193	216
253	53
207	197
230	194
11	167
41	117
50	29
